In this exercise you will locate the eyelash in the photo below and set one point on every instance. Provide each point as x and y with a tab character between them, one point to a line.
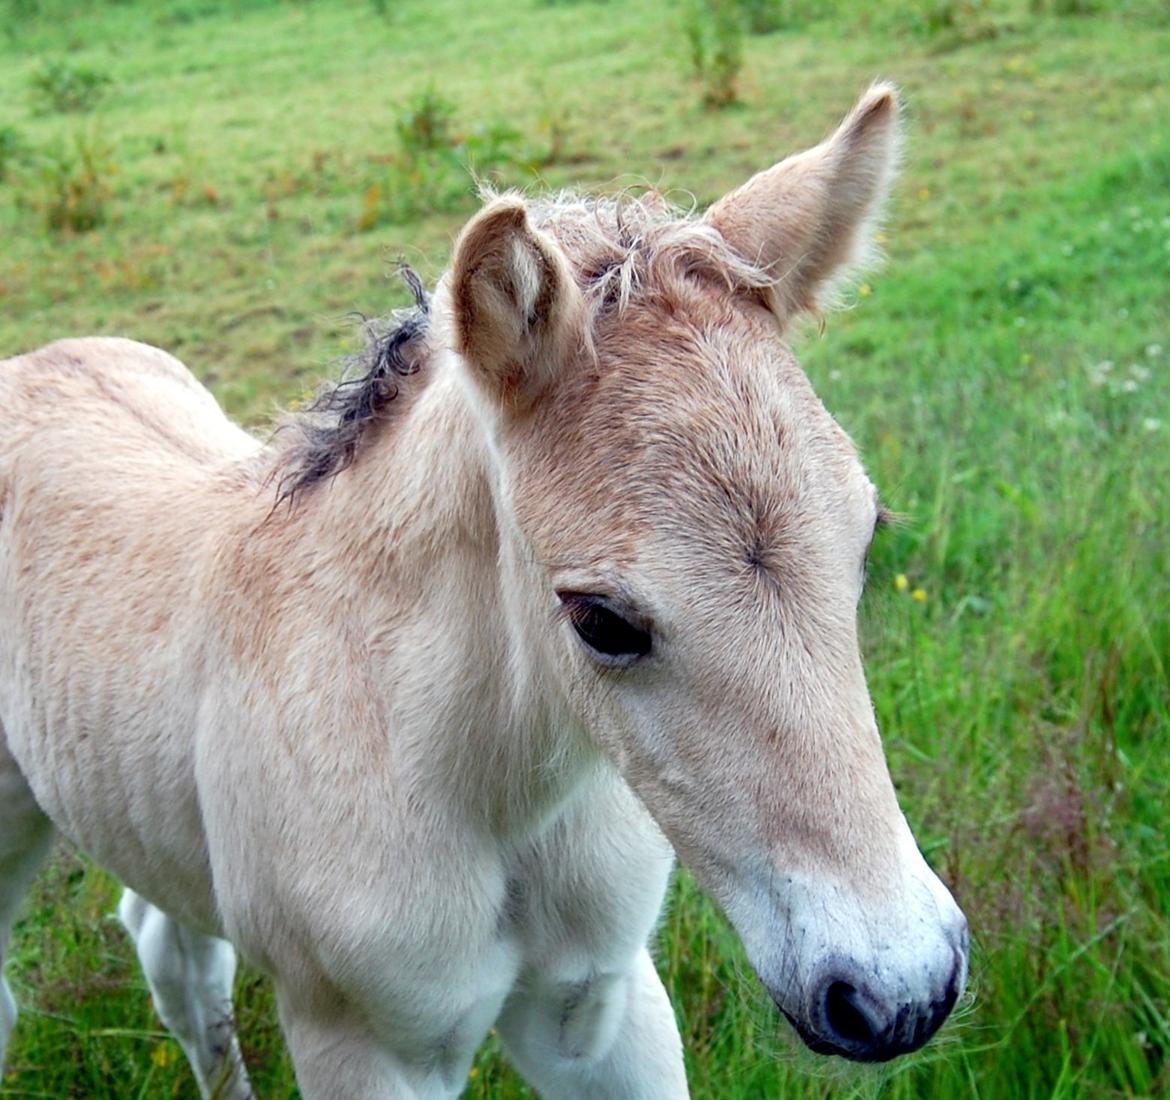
607	634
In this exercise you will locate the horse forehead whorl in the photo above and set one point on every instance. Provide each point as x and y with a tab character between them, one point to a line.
695	423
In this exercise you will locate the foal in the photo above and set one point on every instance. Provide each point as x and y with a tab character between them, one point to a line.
564	585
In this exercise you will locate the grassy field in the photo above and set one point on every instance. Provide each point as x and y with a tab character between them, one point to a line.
251	170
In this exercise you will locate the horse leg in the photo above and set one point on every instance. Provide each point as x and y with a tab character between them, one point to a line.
25	837
612	1037
336	1054
190	977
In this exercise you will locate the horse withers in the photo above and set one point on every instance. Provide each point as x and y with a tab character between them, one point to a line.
414	704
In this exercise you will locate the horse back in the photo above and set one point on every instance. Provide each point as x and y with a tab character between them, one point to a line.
116	483
121	391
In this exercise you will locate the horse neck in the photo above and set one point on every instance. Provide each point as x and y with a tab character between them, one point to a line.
419	535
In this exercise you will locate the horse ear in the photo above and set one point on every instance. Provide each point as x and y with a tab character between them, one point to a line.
519	313
810	218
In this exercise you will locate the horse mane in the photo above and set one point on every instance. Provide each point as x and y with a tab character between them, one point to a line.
327	432
639	245
623	248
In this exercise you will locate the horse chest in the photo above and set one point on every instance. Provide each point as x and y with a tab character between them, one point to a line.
434	962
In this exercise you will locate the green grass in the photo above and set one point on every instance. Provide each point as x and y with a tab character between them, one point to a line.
1024	698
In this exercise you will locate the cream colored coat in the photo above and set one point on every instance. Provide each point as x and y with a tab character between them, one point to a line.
366	737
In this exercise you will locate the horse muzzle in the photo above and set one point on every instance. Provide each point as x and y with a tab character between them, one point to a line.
848	1013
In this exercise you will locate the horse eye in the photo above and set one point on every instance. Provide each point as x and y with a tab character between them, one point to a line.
612	638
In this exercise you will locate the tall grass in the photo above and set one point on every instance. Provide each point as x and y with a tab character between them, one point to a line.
1005	378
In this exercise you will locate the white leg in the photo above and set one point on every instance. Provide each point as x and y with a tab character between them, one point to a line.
190	977
611	1038
336	1055
25	838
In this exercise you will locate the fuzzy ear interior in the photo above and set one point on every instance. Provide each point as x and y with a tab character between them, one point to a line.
810	218
519	314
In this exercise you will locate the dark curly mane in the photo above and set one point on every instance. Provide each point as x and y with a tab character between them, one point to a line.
624	249
327	433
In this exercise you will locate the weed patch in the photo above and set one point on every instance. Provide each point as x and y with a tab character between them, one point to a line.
714	31
438	168
69	185
424	124
769	16
62	86
12	146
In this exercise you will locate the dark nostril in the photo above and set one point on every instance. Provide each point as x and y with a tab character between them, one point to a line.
845	1014
849	1019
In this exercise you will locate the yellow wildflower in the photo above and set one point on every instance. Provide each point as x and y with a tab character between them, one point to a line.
164	1054
865	290
918	594
901	583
